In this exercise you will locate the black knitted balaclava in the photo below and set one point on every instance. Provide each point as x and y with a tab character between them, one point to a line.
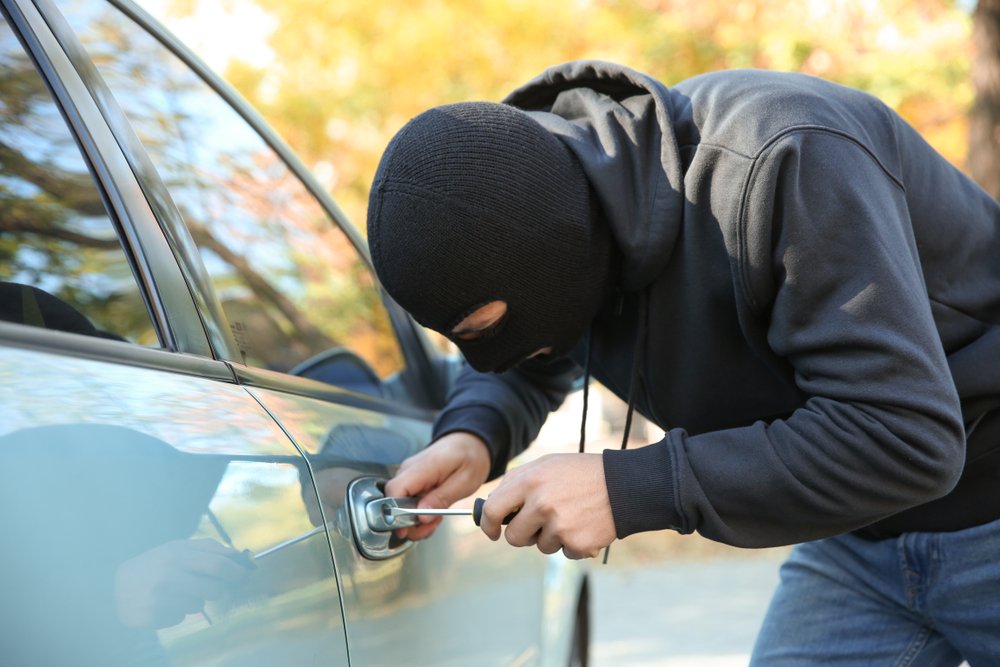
476	202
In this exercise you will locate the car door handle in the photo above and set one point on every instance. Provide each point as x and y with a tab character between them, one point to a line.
373	526
381	518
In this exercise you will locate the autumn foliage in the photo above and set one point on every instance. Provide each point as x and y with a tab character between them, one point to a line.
341	77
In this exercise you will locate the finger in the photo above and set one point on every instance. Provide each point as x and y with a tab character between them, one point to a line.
524	530
203	544
459	484
548	543
412	480
505	499
187	585
209	546
229	566
419	532
425	530
579	555
202	587
443	496
171	610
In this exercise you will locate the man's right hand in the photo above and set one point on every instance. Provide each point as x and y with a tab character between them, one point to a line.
450	469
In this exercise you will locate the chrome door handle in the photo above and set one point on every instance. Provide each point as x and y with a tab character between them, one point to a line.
381	518
371	524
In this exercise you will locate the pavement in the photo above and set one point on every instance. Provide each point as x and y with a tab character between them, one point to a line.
685	614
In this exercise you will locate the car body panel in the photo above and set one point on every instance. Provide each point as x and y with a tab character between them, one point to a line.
454	595
106	466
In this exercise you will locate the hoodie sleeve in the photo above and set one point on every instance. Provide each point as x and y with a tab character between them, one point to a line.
506	410
831	270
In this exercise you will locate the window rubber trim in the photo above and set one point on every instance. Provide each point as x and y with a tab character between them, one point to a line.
300	386
107	350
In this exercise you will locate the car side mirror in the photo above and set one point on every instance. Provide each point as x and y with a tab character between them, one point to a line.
342	368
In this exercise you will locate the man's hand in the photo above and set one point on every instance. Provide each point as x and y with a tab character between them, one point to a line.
159	587
562	503
450	469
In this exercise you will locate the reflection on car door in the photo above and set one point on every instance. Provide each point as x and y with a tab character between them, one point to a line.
117	504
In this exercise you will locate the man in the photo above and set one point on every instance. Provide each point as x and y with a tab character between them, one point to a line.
776	270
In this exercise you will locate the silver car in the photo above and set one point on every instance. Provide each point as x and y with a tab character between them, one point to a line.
202	390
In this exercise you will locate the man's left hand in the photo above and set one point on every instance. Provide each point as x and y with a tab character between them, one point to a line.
561	502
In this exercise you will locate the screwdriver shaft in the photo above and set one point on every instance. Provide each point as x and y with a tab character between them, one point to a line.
476	512
395	511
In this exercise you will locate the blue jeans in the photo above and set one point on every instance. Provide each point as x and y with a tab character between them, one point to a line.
921	599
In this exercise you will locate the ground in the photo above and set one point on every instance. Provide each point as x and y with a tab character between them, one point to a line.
680	606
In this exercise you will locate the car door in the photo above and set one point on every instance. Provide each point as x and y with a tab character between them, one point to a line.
153	512
306	332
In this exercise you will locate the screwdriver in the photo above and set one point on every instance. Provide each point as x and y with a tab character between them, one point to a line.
476	512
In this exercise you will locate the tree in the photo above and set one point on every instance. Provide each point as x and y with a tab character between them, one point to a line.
342	82
984	118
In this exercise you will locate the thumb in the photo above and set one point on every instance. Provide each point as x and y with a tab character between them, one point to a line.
459	484
411	481
441	497
421	473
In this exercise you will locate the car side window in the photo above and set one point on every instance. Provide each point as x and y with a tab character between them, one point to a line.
62	265
291	283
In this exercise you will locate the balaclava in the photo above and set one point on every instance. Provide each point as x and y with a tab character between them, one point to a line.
476	202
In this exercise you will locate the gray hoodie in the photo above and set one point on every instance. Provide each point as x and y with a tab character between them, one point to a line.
809	306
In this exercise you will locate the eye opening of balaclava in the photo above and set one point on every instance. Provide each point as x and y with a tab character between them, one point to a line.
476	202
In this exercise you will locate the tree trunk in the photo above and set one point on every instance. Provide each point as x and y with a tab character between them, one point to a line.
984	120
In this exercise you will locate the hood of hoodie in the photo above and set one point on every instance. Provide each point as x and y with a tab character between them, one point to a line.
619	124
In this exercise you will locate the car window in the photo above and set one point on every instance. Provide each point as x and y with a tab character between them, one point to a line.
290	282
62	265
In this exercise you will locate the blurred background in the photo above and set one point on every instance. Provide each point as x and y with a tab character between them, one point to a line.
337	79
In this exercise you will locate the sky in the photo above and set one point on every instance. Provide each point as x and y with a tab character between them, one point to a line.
248	28
245	36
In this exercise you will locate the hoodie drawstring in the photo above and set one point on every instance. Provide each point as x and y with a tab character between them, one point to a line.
637	356
633	385
586	389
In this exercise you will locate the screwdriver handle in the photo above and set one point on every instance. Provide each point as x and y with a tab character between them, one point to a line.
477	512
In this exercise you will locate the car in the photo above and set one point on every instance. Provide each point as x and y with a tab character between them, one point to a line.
203	390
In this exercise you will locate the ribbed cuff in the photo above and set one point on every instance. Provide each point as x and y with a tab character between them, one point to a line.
481	421
641	488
